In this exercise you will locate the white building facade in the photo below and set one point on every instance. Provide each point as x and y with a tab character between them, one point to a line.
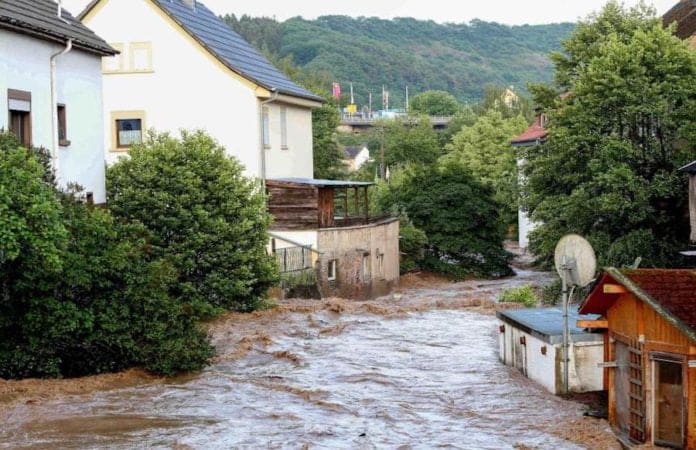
34	95
182	67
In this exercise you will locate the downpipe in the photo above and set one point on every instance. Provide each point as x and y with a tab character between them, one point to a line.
262	147
55	160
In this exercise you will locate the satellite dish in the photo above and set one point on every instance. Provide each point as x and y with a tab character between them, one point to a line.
575	259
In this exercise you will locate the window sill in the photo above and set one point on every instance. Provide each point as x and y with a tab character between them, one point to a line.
120	150
64	143
284	147
266	147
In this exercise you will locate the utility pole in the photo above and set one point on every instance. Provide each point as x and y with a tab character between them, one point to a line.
407	105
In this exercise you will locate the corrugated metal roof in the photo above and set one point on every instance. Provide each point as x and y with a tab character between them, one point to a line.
39	18
231	48
689	168
321	183
547	323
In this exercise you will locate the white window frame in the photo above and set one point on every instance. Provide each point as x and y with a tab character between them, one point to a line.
283	128
266	128
332	270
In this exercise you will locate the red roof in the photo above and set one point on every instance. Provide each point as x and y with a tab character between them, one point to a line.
671	292
534	133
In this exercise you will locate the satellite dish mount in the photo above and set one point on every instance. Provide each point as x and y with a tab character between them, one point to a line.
576	264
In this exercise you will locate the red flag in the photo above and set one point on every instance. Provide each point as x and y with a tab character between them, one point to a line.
336	91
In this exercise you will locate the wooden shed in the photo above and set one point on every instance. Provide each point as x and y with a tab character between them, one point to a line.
307	204
649	318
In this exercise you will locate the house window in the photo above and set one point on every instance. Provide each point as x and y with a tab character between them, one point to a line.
367	275
62	127
283	128
128	128
19	113
115	63
141	56
129	132
266	128
331	270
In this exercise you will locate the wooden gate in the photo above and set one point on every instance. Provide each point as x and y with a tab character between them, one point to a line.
636	393
629	390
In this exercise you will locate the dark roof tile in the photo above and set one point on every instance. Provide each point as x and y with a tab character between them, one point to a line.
39	18
230	48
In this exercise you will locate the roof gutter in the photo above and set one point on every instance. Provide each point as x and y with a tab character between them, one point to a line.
262	147
55	160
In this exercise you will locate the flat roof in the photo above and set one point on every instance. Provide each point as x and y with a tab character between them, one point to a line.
322	183
547	323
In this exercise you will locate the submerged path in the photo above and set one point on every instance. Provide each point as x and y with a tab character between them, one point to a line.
416	370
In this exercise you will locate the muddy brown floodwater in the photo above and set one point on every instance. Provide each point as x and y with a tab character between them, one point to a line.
415	370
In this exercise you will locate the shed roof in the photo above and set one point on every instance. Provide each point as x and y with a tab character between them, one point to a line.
684	14
321	183
39	18
547	323
534	133
670	292
689	168
227	46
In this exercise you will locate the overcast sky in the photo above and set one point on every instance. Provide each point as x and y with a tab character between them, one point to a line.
502	11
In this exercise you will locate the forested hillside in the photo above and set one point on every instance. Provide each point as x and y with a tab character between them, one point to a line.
371	52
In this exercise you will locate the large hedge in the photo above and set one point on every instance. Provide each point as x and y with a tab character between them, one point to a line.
456	212
79	293
204	216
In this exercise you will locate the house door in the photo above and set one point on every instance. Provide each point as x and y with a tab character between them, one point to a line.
669	403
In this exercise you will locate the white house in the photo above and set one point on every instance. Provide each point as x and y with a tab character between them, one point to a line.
531	340
51	84
181	67
355	156
536	134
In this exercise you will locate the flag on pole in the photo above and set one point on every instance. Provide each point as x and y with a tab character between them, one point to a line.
336	91
352	99
385	98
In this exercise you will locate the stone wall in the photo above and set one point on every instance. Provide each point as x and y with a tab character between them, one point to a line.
367	260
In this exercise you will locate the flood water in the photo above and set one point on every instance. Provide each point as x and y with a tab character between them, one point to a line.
413	371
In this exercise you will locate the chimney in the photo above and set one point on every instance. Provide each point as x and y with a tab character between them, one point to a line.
190	3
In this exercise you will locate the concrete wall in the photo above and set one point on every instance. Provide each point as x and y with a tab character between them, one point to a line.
547	370
188	88
372	276
24	65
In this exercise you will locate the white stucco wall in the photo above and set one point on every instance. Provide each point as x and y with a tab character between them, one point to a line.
300	237
547	370
189	89
524	224
297	159
24	65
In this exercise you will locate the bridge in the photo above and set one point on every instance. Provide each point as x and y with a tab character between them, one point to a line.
355	122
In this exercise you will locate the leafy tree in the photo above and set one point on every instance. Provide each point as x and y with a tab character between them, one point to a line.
464	118
485	149
205	217
328	157
457	214
424	55
78	294
435	103
505	101
609	167
405	142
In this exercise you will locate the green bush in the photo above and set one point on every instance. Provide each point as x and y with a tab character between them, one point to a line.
204	216
456	212
412	243
524	295
551	293
78	294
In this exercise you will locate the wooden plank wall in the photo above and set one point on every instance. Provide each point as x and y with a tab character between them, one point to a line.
326	207
293	206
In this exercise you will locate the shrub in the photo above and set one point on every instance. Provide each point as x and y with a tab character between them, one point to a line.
457	214
78	293
551	293
412	243
524	295
204	216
